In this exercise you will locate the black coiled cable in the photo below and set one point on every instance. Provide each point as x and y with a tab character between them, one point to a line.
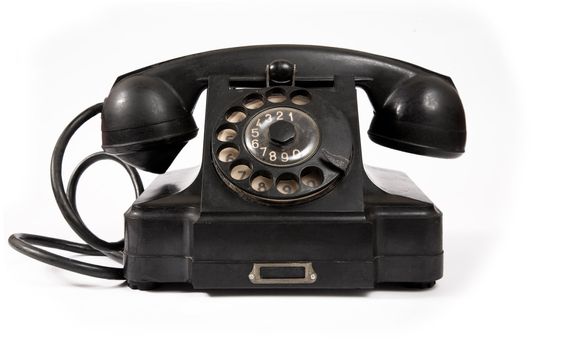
27	243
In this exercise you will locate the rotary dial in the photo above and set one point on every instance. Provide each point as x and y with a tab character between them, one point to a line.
272	146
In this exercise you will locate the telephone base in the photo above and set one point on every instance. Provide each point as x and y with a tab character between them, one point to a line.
397	238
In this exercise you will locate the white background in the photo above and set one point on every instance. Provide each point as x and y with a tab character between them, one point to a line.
501	200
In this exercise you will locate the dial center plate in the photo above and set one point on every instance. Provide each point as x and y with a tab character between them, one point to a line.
296	149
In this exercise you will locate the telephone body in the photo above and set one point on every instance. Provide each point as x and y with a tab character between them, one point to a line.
282	198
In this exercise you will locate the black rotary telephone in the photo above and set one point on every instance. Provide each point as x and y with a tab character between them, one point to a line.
282	199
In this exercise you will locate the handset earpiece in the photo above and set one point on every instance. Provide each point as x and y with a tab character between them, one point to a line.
146	123
422	115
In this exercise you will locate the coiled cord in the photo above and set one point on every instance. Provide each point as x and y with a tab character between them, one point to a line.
66	200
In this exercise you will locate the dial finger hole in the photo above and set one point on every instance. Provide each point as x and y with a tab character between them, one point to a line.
235	115
228	154
261	182
276	95
226	134
300	97
241	170
287	184
253	101
312	177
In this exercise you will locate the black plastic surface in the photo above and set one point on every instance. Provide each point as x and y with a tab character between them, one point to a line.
325	221
393	239
355	234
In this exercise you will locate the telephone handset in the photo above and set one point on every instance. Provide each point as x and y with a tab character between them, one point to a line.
282	199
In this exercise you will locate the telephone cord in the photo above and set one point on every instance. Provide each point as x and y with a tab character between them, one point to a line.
28	243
